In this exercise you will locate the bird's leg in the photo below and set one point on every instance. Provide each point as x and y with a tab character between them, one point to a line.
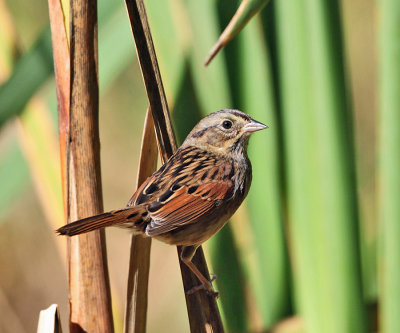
186	256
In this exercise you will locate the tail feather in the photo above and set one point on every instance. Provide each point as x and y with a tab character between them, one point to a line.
129	217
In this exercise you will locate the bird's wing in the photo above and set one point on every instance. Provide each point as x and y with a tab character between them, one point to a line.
187	187
186	207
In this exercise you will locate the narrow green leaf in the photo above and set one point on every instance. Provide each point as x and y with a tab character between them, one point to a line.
270	280
322	203
389	165
28	75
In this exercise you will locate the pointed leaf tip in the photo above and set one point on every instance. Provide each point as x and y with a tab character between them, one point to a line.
214	51
246	10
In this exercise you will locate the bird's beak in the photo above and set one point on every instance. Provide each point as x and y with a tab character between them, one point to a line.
254	126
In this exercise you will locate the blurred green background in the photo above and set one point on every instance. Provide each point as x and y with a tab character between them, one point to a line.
302	254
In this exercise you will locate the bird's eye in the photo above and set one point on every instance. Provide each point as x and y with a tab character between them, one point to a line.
227	124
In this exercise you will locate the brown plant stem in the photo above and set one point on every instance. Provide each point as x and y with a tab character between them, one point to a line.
202	309
152	78
90	299
62	76
139	262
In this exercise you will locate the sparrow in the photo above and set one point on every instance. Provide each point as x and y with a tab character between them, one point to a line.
192	196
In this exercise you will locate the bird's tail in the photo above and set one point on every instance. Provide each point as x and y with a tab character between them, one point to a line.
128	217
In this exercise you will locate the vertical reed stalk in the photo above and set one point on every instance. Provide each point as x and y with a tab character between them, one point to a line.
77	95
139	262
90	298
389	165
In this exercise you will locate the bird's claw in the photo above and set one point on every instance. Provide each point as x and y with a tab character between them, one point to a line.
208	288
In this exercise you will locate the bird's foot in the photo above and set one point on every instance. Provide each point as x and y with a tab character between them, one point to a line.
207	287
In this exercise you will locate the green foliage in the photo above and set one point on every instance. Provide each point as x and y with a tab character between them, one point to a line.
29	74
256	92
322	204
14	174
389	165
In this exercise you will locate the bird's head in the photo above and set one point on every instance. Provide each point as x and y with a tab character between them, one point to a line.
224	131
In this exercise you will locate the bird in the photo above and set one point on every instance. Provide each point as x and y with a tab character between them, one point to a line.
192	196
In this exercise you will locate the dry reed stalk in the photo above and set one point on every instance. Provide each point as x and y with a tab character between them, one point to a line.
62	75
90	299
77	95
139	262
202	308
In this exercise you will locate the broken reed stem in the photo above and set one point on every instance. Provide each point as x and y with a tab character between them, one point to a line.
202	309
139	262
90	299
62	75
